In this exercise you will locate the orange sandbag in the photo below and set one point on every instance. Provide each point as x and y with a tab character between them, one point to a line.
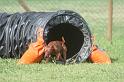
99	56
35	52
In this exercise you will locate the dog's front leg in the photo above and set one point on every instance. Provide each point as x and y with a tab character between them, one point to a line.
64	57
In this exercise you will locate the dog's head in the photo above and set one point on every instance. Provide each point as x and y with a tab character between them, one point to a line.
48	51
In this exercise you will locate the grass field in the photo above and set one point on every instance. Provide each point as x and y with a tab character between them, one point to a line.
95	13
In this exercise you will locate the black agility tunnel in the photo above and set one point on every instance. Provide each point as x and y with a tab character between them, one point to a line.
19	29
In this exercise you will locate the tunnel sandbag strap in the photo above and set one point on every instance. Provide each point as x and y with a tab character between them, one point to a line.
34	54
99	56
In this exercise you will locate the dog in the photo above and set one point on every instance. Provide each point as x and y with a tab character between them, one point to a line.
57	49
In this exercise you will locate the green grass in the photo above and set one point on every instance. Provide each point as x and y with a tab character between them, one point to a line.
84	72
95	13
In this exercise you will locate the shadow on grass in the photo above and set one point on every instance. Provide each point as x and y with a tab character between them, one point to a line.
114	60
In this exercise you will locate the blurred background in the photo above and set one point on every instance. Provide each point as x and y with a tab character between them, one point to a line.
95	12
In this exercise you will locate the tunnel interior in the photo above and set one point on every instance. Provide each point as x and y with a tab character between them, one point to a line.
73	36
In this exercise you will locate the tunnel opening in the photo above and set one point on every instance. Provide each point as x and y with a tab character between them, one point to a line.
73	36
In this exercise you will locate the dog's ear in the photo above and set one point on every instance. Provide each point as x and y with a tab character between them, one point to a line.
63	40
